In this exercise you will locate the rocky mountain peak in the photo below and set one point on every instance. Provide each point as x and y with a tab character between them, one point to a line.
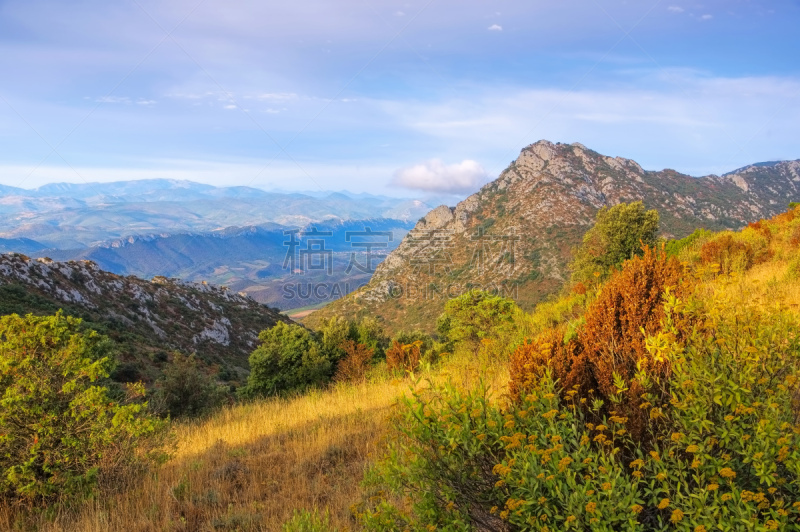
515	235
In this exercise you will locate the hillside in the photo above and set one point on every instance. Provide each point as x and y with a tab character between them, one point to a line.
251	466
148	319
515	235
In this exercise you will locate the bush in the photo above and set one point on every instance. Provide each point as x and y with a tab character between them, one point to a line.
337	330
404	357
674	248
353	367
619	234
474	317
60	430
289	358
728	252
185	390
306	521
608	350
724	452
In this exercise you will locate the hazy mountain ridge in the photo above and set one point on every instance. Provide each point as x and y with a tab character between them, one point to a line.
150	318
247	259
68	216
540	206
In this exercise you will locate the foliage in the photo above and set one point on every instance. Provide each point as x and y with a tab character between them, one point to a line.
185	390
673	248
60	430
306	521
288	358
476	316
608	351
334	332
404	357
725	448
353	367
619	233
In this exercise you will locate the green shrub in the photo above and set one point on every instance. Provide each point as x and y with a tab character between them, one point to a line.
619	233
306	521
289	358
475	317
674	248
185	390
723	452
336	331
60	430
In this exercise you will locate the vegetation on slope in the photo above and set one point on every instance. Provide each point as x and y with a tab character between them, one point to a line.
665	398
148	320
672	403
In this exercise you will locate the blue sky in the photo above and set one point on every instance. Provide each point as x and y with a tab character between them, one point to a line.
384	96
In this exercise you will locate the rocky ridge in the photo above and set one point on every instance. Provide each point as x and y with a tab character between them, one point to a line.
148	319
515	235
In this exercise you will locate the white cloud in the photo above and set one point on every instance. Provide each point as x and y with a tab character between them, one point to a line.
145	102
495	27
435	176
113	99
675	9
706	17
276	96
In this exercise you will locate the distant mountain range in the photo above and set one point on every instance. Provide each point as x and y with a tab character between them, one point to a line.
253	260
71	216
516	234
230	236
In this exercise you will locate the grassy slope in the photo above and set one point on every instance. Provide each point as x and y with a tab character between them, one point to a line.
249	467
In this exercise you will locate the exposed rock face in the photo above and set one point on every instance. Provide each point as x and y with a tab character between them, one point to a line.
515	235
149	319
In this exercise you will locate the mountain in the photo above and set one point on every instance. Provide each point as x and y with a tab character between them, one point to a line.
70	216
249	259
20	245
515	235
148	319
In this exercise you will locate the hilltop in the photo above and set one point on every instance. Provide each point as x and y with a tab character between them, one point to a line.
147	319
515	235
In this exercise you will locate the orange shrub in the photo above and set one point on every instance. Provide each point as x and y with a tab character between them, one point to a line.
354	365
794	239
610	340
727	251
404	356
761	228
579	288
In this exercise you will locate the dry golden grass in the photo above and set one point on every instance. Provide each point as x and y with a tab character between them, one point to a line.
250	467
769	286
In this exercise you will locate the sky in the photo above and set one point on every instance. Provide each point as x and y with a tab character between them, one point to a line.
390	97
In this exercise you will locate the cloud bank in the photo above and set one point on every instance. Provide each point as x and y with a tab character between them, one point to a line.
435	176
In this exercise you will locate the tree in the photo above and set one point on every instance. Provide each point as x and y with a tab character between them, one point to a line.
619	234
59	428
475	316
288	358
185	390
